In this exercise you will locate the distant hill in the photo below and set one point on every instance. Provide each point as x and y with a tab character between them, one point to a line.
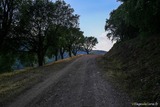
98	52
18	65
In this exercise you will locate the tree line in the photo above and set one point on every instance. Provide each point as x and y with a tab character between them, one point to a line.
33	29
134	18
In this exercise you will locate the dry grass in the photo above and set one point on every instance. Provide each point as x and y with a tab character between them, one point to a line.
135	65
14	83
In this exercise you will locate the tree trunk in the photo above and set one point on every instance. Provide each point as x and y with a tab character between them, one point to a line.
61	53
56	55
70	51
74	52
6	20
40	58
87	51
2	40
41	50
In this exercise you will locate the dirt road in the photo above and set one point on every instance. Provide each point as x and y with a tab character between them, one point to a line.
80	84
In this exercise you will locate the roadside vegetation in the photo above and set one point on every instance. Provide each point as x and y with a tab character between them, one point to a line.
34	29
134	60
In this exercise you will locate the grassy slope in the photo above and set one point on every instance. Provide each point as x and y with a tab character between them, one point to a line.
135	65
13	84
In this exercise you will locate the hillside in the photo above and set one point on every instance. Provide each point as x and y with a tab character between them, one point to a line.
135	65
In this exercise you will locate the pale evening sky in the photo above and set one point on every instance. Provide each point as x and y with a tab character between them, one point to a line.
93	14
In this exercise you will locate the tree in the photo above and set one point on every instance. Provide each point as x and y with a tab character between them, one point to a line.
68	21
65	21
33	29
43	27
6	62
6	18
78	46
134	18
118	27
89	43
9	9
74	40
144	14
36	19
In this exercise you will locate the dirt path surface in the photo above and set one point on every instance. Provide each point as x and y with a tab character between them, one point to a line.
80	84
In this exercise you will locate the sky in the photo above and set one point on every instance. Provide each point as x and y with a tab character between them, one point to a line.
93	14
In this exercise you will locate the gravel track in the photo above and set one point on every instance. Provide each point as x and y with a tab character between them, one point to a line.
80	84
